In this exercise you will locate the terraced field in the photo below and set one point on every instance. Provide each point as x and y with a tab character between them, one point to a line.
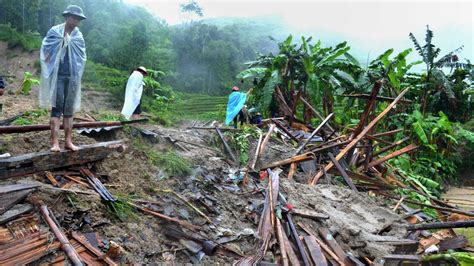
195	105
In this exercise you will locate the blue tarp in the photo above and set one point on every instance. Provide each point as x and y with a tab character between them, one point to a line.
234	105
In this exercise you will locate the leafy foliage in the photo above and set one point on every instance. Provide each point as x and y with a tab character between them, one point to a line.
28	41
28	81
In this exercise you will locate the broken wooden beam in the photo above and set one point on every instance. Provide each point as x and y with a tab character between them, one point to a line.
294	159
391	146
43	127
282	127
296	237
320	126
167	218
101	256
310	107
392	155
332	243
47	160
214	128
315	251
321	243
65	245
7	121
440	225
342	171
388	133
380	98
354	142
266	139
226	146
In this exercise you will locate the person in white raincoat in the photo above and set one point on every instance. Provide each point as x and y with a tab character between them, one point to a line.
63	57
133	93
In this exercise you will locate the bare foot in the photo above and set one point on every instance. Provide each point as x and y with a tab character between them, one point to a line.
55	148
70	146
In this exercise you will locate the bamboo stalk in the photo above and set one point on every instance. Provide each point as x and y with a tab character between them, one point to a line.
354	142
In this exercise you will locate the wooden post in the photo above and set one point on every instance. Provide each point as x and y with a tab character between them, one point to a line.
359	137
226	146
65	245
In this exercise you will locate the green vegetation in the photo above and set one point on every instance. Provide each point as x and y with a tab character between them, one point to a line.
241	141
320	74
169	161
28	41
28	81
31	117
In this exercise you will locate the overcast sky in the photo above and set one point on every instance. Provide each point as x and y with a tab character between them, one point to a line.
370	27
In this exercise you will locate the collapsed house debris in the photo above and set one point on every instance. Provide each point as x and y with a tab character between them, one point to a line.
284	206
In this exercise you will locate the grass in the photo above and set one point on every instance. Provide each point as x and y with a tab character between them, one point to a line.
169	161
27	41
31	117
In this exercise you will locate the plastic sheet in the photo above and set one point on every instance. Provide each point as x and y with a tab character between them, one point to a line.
133	93
234	105
53	49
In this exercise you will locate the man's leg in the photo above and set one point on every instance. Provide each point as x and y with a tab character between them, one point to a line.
68	123
54	124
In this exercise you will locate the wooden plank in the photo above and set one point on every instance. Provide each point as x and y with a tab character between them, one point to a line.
392	155
10	199
354	142
17	187
332	243
297	240
315	251
290	252
320	126
343	172
453	243
46	160
321	243
81	239
402	258
295	159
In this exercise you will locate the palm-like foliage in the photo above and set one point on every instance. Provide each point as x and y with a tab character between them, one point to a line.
437	85
301	69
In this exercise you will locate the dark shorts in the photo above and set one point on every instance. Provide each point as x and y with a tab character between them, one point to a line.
64	103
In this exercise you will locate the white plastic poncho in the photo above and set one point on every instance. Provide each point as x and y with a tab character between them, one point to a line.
53	49
133	93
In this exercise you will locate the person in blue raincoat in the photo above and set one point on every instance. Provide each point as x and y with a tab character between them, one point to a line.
235	104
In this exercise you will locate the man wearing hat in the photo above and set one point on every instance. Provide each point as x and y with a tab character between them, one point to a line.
63	57
133	93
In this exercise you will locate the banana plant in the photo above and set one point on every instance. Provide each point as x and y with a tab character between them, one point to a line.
435	79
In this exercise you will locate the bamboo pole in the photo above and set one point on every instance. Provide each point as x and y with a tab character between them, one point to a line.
43	127
354	142
320	126
65	245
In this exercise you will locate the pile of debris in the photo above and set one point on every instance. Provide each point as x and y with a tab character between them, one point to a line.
284	206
